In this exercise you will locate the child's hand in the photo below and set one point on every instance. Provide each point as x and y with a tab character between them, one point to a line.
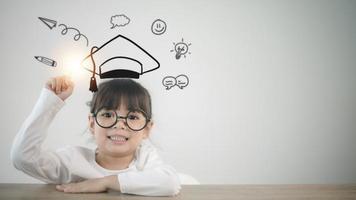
62	86
88	186
91	185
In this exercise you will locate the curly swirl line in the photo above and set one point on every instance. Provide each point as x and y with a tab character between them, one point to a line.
76	36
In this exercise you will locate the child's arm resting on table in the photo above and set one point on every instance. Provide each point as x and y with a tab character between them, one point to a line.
159	181
153	178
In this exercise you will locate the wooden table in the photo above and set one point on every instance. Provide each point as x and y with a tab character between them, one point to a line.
203	192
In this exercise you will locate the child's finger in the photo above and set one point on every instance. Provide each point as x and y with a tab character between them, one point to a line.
58	85
50	84
60	188
66	82
70	83
53	84
62	84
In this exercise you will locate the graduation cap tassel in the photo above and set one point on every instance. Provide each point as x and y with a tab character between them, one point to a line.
93	87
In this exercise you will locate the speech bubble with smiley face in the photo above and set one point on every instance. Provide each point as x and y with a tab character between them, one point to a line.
158	27
182	81
169	82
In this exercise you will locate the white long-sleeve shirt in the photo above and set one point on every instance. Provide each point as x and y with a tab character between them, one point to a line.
146	174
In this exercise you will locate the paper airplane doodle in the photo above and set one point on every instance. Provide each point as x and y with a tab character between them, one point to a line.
119	57
52	23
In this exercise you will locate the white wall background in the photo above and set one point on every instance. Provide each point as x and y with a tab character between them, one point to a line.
272	97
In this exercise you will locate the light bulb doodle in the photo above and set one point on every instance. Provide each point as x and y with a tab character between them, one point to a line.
181	49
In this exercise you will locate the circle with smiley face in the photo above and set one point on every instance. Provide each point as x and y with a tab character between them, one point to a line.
158	27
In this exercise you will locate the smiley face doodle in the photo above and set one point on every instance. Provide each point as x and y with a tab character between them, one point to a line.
158	27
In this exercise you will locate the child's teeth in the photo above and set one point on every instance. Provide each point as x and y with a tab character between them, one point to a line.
117	138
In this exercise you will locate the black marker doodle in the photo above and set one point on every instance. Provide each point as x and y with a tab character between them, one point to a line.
181	81
46	61
52	23
76	36
138	66
181	49
158	27
119	20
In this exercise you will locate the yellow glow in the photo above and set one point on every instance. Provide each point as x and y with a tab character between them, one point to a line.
71	65
69	56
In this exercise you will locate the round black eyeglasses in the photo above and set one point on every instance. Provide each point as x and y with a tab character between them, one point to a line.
135	120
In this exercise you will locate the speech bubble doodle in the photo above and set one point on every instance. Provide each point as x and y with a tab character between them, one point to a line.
119	20
182	81
169	82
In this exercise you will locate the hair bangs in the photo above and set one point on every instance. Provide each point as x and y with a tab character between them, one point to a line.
112	94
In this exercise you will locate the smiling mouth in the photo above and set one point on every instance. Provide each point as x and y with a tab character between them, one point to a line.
118	138
161	30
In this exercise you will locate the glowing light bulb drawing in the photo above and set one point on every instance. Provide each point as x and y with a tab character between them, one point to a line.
181	49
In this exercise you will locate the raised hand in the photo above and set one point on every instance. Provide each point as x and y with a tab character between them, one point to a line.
62	86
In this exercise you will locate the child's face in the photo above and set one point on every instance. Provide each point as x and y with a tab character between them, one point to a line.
119	140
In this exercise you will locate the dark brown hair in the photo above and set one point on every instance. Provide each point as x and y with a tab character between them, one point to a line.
111	93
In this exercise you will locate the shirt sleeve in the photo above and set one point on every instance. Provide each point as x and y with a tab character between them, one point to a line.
27	154
154	179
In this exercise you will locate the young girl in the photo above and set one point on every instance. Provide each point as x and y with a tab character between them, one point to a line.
120	121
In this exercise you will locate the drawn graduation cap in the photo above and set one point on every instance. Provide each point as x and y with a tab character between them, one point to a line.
119	57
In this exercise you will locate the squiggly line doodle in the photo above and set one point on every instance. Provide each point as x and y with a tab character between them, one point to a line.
52	23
